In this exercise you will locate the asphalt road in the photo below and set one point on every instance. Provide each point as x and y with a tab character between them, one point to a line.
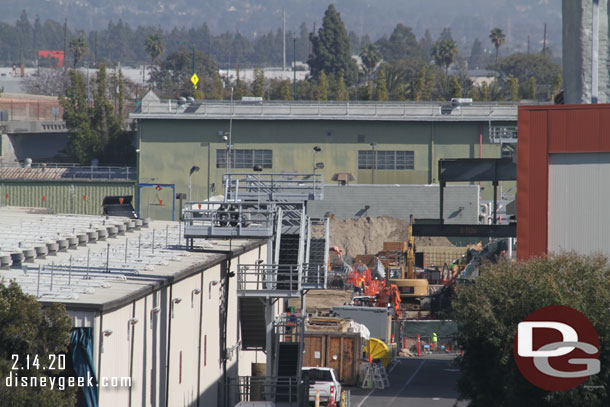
427	382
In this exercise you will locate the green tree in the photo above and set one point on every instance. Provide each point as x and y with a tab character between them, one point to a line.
497	38
420	85
217	89
240	86
444	53
341	93
370	57
489	310
322	89
532	88
173	76
330	50
83	145
556	86
154	47
401	44
455	89
258	84
286	90
525	66
78	48
513	84
381	90
485	92
27	329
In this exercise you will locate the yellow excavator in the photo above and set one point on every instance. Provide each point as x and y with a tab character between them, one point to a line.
414	292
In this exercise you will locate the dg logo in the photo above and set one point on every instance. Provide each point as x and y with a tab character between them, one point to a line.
556	348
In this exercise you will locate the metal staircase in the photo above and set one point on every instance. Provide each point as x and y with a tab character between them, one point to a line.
272	207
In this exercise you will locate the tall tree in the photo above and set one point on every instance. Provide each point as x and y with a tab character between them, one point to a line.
455	89
444	53
78	48
532	88
341	93
83	145
154	47
477	56
513	84
322	90
370	57
27	329
497	38
401	44
381	90
445	35
258	84
330	51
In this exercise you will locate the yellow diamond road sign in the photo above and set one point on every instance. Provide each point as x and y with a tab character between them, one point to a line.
195	79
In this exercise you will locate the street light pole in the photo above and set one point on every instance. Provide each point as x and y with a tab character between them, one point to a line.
373	144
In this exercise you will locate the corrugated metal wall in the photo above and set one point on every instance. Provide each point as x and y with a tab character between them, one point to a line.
578	211
63	197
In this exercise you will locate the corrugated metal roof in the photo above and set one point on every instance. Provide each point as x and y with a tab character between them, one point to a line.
48	174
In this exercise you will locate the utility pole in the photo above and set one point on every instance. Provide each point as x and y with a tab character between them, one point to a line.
544	42
65	35
294	66
283	40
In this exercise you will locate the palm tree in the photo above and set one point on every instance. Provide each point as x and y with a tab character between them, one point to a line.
78	48
370	56
444	53
154	47
497	38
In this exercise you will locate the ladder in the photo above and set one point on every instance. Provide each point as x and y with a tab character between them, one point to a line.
375	376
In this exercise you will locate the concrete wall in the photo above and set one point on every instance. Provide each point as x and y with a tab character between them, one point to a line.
141	351
170	147
39	147
585	51
400	201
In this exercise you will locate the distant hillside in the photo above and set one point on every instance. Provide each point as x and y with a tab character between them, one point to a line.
468	19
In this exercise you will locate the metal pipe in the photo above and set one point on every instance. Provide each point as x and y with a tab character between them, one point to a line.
38	284
107	257
52	275
88	256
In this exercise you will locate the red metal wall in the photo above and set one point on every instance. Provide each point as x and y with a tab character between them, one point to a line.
544	130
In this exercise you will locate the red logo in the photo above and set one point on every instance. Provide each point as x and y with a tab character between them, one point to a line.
556	348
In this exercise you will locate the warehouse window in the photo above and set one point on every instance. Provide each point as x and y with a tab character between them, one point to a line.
244	158
386	160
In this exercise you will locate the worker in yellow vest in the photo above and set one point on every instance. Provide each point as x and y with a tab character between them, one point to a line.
434	341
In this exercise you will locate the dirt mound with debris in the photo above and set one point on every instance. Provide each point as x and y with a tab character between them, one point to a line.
365	235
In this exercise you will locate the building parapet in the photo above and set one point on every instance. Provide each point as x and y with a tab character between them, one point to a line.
275	110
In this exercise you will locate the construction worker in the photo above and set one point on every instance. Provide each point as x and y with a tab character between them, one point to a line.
434	341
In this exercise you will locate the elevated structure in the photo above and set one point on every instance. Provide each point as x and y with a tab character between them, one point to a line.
271	207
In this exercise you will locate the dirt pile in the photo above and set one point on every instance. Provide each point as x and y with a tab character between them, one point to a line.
366	235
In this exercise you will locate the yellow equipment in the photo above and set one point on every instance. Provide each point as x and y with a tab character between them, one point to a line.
377	349
412	290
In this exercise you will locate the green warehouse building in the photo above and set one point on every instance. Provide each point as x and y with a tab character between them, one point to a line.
380	143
